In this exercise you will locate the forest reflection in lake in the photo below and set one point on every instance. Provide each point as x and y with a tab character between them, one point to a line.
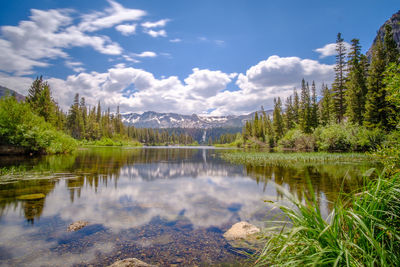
162	205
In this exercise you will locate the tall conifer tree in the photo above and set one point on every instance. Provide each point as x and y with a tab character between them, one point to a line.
338	87
314	107
278	120
296	106
356	85
376	112
326	107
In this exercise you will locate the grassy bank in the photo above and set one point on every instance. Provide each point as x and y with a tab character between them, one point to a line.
362	230
263	158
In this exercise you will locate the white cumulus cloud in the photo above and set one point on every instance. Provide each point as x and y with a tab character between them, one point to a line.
47	35
146	54
330	49
126	29
155	34
113	15
75	65
137	90
156	24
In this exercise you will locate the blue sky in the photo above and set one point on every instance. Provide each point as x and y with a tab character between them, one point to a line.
223	57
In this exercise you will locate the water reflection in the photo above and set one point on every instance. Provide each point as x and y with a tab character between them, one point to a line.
141	200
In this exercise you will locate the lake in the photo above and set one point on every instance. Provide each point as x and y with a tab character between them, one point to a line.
165	206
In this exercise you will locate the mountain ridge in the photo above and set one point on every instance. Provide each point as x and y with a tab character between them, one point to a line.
393	21
152	119
6	91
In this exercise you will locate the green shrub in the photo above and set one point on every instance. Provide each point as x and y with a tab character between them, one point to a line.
295	139
347	137
19	126
389	152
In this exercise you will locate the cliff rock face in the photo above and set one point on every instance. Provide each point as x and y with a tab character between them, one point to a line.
394	21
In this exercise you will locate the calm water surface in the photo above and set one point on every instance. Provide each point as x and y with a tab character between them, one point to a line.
166	206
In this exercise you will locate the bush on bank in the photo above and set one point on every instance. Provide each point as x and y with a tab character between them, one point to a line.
19	126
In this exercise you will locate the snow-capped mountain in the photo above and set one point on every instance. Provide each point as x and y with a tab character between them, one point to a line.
151	119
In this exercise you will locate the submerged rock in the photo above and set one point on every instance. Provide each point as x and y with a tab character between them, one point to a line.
130	262
76	226
241	230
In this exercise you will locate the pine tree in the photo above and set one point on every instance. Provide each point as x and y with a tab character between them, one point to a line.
314	120
326	106
392	53
98	116
74	120
356	85
269	131
375	115
83	111
247	131
296	106
379	112
305	108
392	58
40	100
338	87
278	121
289	114
255	125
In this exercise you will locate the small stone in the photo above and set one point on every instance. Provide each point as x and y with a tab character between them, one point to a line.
130	262
76	226
241	230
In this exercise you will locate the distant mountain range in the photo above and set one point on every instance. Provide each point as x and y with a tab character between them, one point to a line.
5	91
151	119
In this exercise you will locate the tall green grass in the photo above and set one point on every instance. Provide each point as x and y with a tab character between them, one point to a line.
362	230
263	158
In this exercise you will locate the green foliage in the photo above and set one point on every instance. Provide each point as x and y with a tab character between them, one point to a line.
305	108
356	85
105	141
347	137
41	102
314	118
296	140
392	83
278	120
362	231
380	110
19	126
389	152
326	106
289	115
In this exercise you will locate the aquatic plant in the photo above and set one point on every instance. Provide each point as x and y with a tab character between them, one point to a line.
263	158
363	230
31	196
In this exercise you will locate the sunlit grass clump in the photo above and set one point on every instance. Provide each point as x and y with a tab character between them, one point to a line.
362	231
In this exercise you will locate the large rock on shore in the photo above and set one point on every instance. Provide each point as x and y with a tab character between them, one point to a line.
131	262
241	230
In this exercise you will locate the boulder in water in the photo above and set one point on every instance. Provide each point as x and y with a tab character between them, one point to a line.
241	230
